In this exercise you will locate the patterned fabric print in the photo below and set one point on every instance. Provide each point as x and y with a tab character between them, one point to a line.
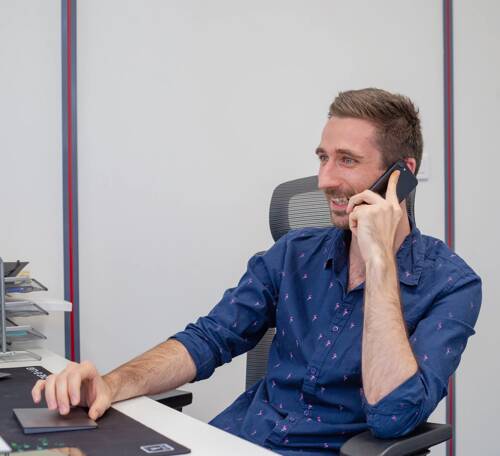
311	399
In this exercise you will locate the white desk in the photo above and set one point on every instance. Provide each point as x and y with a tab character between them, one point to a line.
200	437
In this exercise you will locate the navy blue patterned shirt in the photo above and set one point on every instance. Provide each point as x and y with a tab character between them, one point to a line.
311	399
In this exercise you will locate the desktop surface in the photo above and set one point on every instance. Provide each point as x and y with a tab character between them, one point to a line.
158	419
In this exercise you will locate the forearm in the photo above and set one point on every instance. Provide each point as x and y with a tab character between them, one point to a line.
164	367
387	357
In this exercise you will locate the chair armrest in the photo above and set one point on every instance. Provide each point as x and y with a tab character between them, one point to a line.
175	398
416	443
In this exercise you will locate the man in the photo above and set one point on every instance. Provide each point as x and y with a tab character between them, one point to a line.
371	316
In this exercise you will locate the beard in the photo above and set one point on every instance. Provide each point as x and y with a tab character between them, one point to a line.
339	217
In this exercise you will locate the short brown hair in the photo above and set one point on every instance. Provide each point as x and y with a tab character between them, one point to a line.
395	117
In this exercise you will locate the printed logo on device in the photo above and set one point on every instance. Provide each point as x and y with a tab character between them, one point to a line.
37	373
156	449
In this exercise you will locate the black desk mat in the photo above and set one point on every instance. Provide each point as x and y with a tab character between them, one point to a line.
117	433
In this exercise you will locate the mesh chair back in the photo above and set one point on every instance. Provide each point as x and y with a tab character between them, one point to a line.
295	204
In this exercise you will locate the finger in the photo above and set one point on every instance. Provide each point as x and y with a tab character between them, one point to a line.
367	197
87	370
353	222
62	394
98	407
74	388
392	194
36	392
50	392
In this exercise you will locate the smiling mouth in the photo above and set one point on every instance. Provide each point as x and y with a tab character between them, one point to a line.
339	204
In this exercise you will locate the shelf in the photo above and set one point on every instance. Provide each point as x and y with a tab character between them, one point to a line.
23	285
21	333
10	332
23	309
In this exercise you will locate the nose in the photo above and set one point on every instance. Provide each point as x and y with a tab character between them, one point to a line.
328	176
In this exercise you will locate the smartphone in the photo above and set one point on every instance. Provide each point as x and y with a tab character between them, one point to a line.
406	183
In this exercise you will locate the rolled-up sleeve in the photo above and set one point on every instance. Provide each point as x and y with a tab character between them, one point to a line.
438	342
242	316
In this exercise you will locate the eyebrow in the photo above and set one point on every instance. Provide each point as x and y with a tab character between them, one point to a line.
350	153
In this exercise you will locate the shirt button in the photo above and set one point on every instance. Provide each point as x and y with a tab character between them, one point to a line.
335	328
313	370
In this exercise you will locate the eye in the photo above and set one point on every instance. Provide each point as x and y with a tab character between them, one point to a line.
322	158
348	161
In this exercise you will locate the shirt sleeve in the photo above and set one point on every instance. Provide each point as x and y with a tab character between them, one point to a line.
240	319
437	342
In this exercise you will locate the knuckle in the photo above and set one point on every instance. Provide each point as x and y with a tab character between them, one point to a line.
71	366
88	365
73	377
60	380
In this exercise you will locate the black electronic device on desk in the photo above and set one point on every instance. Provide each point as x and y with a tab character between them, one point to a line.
116	433
42	420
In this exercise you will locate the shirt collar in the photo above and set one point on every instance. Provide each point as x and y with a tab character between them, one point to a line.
338	250
409	257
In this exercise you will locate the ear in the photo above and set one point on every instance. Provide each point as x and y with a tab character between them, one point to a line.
411	164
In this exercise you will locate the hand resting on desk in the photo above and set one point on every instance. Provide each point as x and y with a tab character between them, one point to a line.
77	384
163	368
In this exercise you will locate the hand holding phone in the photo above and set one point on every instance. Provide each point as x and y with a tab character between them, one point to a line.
374	219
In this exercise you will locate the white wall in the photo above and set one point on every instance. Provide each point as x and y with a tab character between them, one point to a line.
477	97
31	225
190	113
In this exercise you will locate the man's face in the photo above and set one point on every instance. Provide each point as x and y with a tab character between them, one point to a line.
349	163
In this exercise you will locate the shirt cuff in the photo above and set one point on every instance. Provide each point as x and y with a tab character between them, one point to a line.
200	353
399	412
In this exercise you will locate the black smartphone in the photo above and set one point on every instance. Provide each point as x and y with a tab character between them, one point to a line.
406	183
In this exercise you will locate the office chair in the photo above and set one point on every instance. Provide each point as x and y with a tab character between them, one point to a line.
299	204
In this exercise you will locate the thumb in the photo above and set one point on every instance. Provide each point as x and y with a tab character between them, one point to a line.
98	407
